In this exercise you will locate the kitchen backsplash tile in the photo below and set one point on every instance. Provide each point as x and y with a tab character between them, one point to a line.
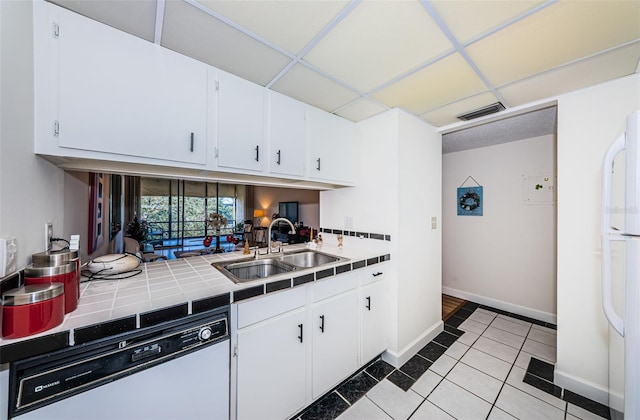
324	273
104	329
209	303
34	346
162	315
250	292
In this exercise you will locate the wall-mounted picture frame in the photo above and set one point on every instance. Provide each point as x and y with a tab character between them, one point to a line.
96	207
470	201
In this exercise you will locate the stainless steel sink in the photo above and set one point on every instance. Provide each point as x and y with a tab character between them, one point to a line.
250	269
307	259
245	271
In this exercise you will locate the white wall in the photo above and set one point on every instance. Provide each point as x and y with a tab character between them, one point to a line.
588	121
505	258
31	189
267	198
399	188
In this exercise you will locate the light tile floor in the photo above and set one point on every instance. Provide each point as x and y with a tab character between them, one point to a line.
480	376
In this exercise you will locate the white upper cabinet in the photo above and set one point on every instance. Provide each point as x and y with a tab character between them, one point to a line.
120	94
287	135
332	147
241	113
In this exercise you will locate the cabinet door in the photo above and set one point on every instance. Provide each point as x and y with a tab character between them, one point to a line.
120	94
335	341
287	135
332	147
240	123
271	374
374	317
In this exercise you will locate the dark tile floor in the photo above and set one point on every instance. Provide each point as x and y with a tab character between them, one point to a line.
487	363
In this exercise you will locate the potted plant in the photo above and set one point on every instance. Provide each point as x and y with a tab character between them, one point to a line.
138	229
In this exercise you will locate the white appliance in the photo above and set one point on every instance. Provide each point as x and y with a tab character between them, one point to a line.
628	324
176	370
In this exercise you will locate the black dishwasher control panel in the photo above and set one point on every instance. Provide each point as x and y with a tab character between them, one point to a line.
47	378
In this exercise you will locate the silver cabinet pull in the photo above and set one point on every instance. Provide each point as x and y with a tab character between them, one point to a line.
369	302
192	140
257	153
377	274
322	323
300	336
278	161
318	167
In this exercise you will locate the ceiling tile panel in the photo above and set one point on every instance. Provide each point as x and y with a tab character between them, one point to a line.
361	110
137	17
310	87
192	32
469	19
557	34
614	64
448	114
378	41
289	24
445	81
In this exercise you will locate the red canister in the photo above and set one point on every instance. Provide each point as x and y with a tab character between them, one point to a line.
65	274
32	309
56	258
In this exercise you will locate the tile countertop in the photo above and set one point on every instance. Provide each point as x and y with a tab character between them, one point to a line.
164	284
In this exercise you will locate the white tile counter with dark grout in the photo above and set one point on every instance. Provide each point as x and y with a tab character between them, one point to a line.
166	290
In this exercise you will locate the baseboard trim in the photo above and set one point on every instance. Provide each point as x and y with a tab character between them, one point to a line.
499	304
587	389
397	359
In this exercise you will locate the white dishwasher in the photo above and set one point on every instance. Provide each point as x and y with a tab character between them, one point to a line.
179	370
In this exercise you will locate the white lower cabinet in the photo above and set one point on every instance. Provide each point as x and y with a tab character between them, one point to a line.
272	367
335	341
293	346
374	312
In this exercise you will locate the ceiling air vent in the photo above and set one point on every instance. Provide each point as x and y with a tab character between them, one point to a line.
490	109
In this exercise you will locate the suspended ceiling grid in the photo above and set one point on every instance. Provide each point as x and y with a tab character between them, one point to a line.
436	59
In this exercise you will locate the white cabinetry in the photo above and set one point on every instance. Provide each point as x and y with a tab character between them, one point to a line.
112	92
272	344
281	363
240	124
335	334
374	312
287	135
332	147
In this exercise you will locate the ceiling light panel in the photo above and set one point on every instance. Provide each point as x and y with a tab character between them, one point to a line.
558	34
617	63
362	109
448	114
442	82
469	19
137	17
378	41
193	32
312	88
289	24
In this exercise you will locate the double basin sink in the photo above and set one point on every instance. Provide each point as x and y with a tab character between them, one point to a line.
250	269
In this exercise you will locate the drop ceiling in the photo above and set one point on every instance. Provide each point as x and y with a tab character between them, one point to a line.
436	59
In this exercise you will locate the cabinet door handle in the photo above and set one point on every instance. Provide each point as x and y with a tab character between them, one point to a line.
369	303
278	161
318	167
322	323
192	139
377	274
300	336
258	153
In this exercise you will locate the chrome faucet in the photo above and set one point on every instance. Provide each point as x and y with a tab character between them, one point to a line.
280	219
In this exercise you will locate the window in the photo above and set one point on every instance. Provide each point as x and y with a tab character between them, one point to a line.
177	210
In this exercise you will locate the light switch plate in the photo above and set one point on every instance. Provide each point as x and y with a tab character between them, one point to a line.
8	255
